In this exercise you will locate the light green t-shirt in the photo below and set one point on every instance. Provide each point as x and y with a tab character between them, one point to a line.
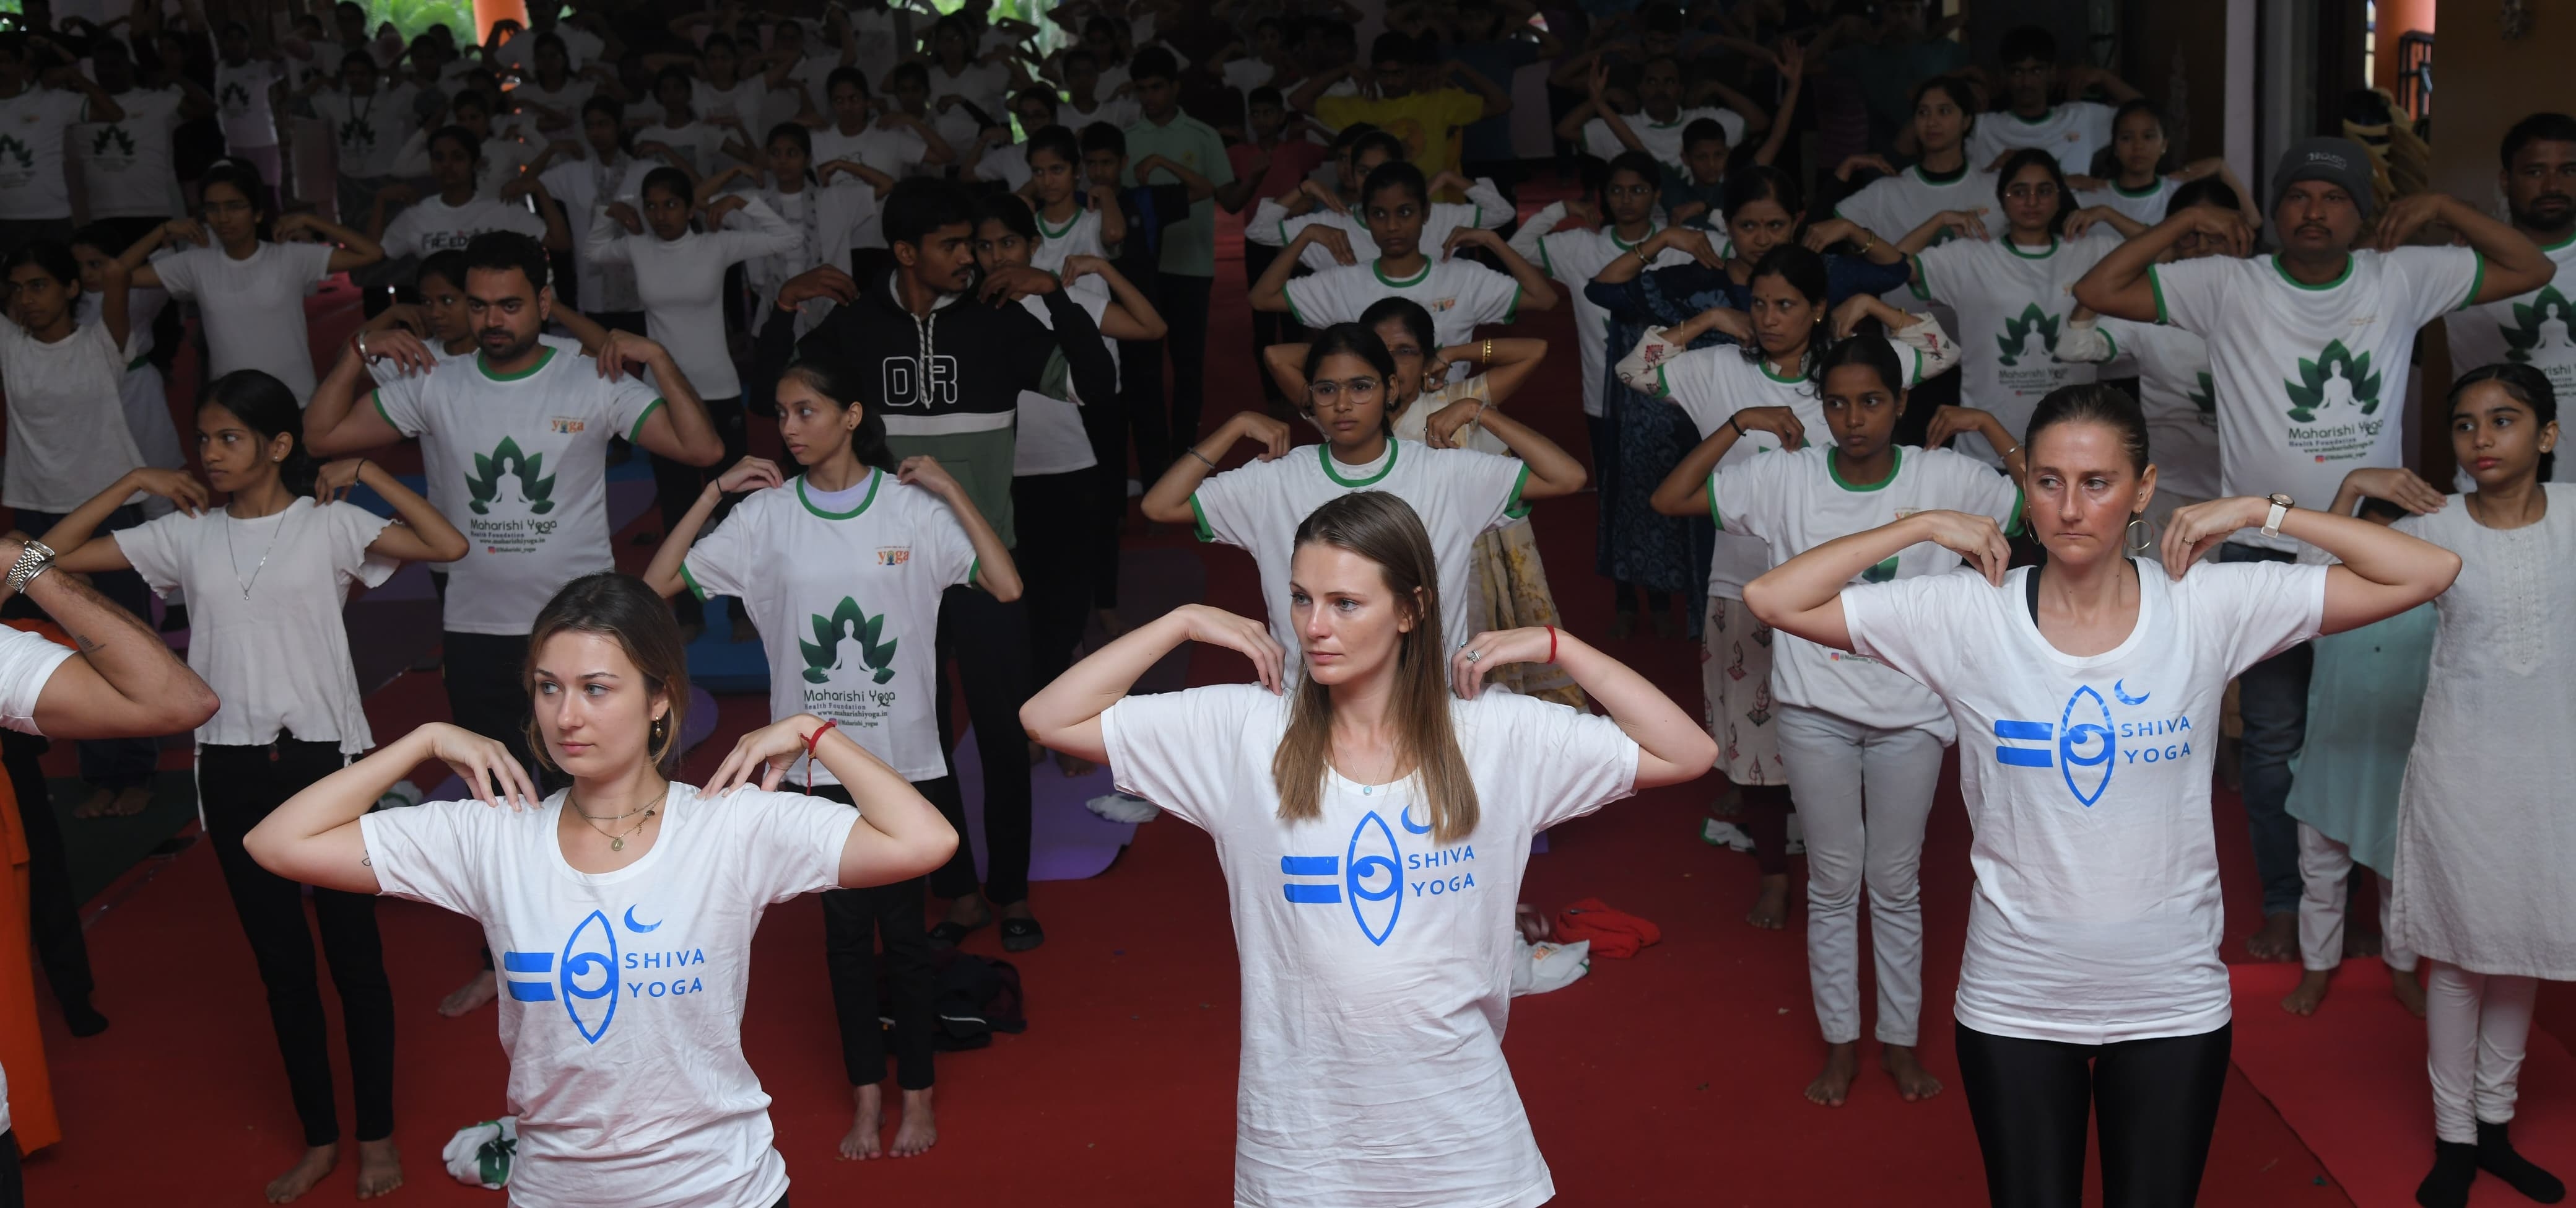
1189	248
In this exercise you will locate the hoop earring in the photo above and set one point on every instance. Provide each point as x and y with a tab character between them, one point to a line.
2138	537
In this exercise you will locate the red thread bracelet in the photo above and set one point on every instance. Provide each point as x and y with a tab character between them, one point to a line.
810	740
1551	644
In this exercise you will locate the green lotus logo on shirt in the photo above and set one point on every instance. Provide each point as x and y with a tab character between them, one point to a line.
484	484
1880	573
2524	335
2204	396
2336	376
233	96
823	654
358	135
2018	330
11	148
112	135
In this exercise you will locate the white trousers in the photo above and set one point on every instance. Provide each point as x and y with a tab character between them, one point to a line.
2475	1026
2324	865
1864	793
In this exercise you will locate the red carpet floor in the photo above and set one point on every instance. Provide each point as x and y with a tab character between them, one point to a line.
1668	1079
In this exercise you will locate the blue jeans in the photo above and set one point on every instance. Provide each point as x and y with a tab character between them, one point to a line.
111	763
2272	699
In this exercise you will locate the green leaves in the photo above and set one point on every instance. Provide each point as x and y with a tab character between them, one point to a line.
822	655
2204	396
484	484
2523	334
112	135
1880	573
2336	375
13	149
2017	331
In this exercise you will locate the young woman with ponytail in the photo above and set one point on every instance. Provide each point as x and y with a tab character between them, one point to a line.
265	577
1761	391
1373	827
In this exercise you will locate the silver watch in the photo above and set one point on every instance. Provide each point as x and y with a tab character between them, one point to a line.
33	559
2281	506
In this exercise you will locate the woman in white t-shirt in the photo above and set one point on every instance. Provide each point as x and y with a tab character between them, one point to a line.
1070	222
147	402
599	169
958	74
1372	828
266	636
811	558
463	207
249	287
2087	692
628	1079
1858	740
826	218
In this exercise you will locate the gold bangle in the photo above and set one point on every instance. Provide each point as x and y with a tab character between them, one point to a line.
1486	357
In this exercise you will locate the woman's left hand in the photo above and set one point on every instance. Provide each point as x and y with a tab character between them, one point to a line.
924	471
764	755
1486	651
1440	431
336	479
1951	421
2192	530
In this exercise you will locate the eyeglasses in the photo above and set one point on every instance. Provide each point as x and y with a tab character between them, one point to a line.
1631	190
1327	393
2041	192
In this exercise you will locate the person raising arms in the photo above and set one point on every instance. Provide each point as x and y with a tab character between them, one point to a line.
622	1095
2087	693
2538	180
1362	969
1275	222
270	642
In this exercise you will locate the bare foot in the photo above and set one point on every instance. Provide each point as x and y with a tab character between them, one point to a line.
2357	942
920	1128
1771	908
860	1143
131	801
1842	1064
2279	938
98	804
1072	767
307	1171
379	1168
1914	1084
2409	990
2311	991
479	989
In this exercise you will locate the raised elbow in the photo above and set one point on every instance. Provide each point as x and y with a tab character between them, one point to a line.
448	548
188	705
1763	598
1166	513
1538	299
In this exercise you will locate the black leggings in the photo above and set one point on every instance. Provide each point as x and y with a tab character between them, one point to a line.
853	921
2158	1105
990	641
237	787
1054	516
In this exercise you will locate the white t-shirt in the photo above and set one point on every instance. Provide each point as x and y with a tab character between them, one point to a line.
369	130
894	152
1458	493
696	142
1460	294
2147	205
2012	304
1079	237
1797	501
2536	329
241	100
502	155
265	597
67	441
1575	256
1710	385
566	100
681	282
432	225
1245	74
1051	436
125	164
1271	224
1376	962
857	589
2174	391
2311	380
1892	206
2072	132
2096	918
1663	140
881	43
622	998
985	85
583	188
520	464
26	662
32	123
743	102
826	219
242	300
1119	112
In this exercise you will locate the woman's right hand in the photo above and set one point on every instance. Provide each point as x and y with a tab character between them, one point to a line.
1964	224
1976	538
177	486
490	772
749	474
1778	421
1217	627
1333	239
186	229
1686	240
1272	435
625	216
404	349
1853	164
2399	486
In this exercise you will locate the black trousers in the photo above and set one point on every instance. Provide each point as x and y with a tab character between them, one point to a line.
1268	328
13	1184
486	689
1054	557
2157	1102
990	642
676	485
854	920
53	914
239	786
1164	425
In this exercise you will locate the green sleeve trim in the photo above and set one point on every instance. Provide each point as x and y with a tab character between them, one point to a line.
1291	300
1199	516
377	397
2110	341
1513	505
2476	283
1713	517
2020	521
973	569
1663	389
1545	264
2158	286
691	580
1512	313
1921	282
637	436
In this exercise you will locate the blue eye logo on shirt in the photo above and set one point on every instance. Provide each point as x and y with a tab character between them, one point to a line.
2084	744
584	975
1371	875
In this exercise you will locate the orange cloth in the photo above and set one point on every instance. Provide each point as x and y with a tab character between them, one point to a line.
1612	932
22	1039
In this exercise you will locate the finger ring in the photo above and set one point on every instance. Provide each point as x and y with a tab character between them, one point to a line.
1473	655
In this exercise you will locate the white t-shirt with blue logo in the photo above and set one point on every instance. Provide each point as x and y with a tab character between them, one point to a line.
622	992
2096	917
1376	962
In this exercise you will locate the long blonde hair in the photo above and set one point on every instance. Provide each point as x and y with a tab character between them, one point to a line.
1383	529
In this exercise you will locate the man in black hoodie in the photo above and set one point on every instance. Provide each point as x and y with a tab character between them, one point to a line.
953	360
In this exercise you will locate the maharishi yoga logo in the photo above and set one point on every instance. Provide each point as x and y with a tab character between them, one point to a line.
112	140
2087	745
2014	341
2338	377
1375	875
594	973
2545	324
16	152
536	488
2205	395
823	654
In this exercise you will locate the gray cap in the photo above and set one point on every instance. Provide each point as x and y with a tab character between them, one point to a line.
2337	161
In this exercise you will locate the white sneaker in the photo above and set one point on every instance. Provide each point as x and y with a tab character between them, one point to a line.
1718	832
1135	488
1797	836
1119	807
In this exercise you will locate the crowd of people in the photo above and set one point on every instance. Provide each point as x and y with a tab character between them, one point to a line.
1973	418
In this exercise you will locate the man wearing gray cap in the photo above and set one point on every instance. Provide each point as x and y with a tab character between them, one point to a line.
2308	350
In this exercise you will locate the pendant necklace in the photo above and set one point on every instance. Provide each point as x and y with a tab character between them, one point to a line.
616	842
235	559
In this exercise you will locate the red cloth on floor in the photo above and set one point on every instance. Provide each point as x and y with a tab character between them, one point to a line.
1612	932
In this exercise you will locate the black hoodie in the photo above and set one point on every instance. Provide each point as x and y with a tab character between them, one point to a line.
949	383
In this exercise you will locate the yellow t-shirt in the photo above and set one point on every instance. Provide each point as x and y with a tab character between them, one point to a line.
1429	123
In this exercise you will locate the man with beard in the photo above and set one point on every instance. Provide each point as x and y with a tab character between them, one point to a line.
2308	353
954	359
2538	329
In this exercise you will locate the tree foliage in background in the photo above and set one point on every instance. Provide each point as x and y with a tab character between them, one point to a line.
414	17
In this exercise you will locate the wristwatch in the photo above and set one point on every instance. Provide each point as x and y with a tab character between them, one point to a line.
33	560
2281	506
